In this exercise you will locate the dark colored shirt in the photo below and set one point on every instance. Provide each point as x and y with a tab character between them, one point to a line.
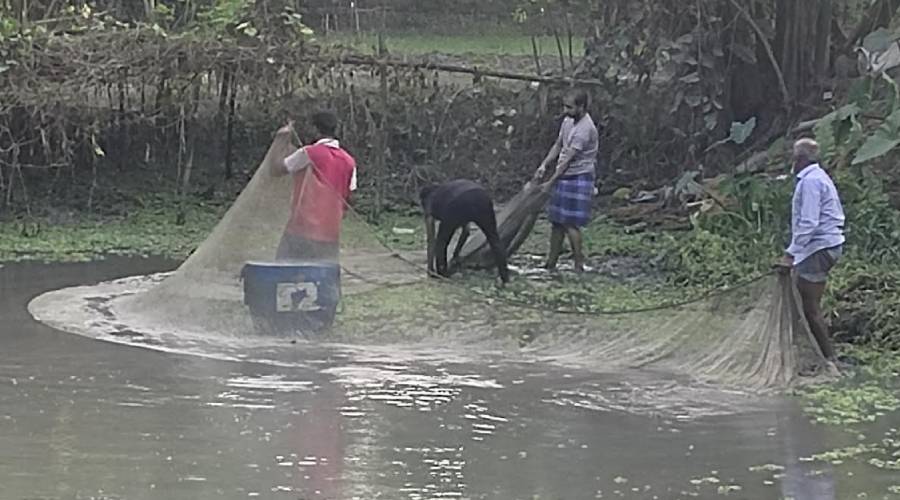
441	202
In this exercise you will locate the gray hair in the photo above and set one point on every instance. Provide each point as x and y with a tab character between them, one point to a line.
806	149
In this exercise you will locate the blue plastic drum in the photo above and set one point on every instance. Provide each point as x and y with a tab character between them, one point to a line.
291	298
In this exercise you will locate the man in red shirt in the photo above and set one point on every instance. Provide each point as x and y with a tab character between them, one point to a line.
324	174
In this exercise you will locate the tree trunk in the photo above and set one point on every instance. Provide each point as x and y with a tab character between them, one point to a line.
803	43
229	127
823	40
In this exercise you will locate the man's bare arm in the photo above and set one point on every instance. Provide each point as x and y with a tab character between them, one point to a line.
279	150
554	152
564	162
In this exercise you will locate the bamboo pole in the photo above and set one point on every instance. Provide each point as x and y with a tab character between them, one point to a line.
451	68
381	153
537	57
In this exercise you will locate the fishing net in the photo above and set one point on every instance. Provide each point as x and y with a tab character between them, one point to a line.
750	336
515	220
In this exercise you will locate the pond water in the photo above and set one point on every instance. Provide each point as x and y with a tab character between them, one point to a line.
86	419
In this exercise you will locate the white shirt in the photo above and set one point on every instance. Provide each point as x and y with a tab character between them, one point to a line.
817	217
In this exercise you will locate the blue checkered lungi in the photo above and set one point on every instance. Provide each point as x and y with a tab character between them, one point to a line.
570	204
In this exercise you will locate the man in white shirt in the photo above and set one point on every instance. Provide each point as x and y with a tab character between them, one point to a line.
817	236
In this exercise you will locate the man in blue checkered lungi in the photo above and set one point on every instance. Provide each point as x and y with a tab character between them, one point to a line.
575	152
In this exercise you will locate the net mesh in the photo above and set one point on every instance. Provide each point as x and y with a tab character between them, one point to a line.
750	336
515	219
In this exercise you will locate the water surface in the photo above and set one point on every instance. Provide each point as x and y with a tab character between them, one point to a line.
81	418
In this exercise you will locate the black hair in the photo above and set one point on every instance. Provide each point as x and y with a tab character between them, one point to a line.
425	192
580	97
325	122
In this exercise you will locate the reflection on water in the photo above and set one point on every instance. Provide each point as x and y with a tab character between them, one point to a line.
802	479
85	419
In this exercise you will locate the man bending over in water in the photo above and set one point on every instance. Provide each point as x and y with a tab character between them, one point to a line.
455	204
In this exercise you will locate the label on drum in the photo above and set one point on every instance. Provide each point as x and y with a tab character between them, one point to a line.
290	297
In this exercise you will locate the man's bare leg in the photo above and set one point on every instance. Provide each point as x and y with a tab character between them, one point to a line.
557	236
445	233
811	295
460	243
577	242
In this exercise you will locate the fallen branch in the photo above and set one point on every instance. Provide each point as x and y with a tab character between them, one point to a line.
808	125
450	68
754	164
805	126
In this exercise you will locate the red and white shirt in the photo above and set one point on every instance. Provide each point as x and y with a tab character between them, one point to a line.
321	192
